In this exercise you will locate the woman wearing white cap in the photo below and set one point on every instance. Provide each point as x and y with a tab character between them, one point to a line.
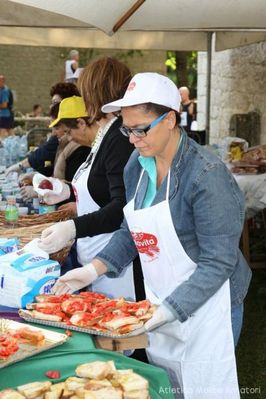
187	234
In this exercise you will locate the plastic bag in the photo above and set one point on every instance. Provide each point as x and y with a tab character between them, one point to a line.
56	184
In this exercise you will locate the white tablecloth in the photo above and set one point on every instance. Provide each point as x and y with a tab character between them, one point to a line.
254	189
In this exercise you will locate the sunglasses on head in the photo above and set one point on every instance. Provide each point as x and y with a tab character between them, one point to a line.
141	132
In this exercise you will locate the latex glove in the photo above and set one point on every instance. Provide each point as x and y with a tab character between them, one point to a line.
75	280
161	316
13	168
51	198
57	236
27	192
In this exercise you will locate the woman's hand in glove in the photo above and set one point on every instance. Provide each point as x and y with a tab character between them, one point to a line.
13	168
161	316
51	198
75	280
27	192
57	236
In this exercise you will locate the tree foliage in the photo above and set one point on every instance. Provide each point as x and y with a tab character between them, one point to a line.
182	69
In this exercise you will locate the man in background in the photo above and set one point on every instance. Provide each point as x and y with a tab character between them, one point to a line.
6	113
188	109
71	66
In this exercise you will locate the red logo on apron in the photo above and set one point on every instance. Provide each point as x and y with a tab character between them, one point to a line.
75	193
131	86
146	243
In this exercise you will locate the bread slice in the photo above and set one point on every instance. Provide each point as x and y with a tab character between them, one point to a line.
131	381
11	394
94	385
128	328
53	394
142	394
33	337
43	316
34	389
73	383
104	393
96	370
119	321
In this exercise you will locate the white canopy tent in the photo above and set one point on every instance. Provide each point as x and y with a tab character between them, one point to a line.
137	24
134	24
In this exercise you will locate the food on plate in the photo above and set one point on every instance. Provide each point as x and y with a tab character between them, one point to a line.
257	154
45	184
83	319
95	380
131	381
244	170
8	345
34	389
72	305
73	383
96	370
47	316
94	385
104	393
52	298
113	321
53	374
10	394
236	151
33	337
136	395
93	311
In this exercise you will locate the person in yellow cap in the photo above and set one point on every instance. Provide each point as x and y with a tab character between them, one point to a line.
69	154
98	184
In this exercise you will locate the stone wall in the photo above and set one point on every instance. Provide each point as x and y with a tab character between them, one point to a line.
31	71
238	86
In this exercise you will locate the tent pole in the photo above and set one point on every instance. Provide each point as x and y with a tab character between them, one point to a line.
208	98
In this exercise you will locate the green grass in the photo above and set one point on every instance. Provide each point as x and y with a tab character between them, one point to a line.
251	350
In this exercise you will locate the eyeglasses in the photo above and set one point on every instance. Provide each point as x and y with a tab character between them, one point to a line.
141	132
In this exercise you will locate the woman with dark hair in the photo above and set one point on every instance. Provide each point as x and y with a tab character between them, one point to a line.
98	184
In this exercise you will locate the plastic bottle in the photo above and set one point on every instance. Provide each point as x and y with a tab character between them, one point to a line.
2	158
11	211
23	147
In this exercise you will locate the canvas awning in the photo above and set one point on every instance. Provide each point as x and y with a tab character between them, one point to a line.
133	24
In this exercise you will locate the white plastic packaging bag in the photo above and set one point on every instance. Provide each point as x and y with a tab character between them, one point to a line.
25	274
38	178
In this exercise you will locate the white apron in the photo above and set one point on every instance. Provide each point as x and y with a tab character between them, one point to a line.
199	353
89	247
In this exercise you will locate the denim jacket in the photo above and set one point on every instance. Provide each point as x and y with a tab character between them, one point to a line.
207	209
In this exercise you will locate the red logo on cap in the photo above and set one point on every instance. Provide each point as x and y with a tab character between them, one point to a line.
146	243
131	86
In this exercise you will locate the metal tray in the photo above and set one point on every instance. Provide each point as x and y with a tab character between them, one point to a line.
52	339
26	315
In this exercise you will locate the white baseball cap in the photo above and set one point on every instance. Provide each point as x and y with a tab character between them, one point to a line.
147	87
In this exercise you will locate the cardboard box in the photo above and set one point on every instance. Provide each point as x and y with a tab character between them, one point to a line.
121	344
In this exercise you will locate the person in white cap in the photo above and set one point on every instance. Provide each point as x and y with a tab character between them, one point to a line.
184	217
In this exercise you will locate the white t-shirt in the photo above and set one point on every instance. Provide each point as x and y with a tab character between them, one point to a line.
69	74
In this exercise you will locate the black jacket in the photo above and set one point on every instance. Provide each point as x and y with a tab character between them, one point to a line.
106	185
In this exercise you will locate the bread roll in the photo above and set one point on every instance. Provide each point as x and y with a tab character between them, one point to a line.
96	370
10	394
34	389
